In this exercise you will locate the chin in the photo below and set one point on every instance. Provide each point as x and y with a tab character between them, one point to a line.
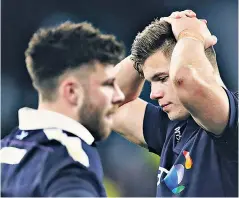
105	135
178	115
104	132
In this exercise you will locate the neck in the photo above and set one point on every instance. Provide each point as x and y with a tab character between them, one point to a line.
220	82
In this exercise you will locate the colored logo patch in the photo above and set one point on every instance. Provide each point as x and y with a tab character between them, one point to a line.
176	173
189	161
178	189
174	177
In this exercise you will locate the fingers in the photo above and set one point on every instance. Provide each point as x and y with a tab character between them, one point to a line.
203	20
189	13
177	15
185	13
210	41
167	19
170	19
181	14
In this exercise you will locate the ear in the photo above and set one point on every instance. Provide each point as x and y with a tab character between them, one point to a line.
71	90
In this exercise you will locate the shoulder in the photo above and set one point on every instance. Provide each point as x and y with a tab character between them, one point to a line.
155	117
232	95
67	147
66	173
233	109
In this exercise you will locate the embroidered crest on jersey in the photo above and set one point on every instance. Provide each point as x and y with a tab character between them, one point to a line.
22	135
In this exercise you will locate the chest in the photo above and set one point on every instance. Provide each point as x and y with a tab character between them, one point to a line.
190	162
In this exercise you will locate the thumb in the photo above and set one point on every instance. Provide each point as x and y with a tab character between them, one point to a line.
210	41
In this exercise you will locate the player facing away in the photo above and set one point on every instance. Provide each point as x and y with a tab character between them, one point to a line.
195	129
52	152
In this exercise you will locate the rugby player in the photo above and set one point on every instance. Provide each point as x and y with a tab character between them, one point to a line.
52	153
195	128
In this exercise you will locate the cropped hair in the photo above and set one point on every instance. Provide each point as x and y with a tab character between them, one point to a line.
158	36
53	51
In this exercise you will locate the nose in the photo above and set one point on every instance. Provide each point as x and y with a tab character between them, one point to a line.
118	96
156	93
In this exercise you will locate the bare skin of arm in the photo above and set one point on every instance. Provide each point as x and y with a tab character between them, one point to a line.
128	120
195	80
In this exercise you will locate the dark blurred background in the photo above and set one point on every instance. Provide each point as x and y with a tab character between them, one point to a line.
129	169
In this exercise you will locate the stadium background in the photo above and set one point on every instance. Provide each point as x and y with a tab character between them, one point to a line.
129	169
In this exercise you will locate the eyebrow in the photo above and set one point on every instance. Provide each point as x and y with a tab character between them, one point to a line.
158	74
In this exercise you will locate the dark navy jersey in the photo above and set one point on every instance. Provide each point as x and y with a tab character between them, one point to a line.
50	161
193	162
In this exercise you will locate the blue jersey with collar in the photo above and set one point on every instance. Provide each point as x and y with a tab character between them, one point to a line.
34	163
193	162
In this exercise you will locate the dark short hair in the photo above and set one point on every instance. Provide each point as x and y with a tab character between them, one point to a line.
52	51
158	36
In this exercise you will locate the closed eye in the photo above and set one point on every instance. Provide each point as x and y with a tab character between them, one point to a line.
109	82
161	79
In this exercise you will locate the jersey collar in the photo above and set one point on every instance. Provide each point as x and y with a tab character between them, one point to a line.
32	119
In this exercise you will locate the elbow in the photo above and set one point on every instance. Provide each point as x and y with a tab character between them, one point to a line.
186	84
182	78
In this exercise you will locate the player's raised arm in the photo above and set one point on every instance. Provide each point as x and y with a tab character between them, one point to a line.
196	80
128	120
128	79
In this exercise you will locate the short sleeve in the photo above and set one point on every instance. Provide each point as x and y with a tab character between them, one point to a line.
155	128
227	143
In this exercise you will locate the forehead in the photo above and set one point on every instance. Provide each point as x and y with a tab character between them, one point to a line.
95	73
105	71
155	63
101	73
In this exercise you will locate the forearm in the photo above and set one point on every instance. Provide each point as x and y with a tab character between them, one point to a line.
189	54
190	70
129	80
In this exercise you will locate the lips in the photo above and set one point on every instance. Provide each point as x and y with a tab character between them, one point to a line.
109	115
164	105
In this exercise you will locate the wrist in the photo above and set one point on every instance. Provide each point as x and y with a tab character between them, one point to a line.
189	34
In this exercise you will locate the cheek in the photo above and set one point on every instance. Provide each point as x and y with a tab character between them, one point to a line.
106	95
171	92
171	89
99	97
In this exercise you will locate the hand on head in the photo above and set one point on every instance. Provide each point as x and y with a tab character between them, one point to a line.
186	23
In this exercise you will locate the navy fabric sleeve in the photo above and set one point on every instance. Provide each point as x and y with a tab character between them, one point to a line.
64	177
227	143
155	128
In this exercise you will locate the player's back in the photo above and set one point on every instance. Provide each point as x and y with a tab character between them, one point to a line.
49	162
